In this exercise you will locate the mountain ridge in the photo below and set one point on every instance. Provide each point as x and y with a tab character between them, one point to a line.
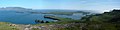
14	8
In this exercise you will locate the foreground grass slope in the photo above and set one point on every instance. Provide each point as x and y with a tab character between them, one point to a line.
6	26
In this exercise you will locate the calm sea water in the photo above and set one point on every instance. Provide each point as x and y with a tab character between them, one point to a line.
29	18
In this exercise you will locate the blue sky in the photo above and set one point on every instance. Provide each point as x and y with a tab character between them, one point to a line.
63	4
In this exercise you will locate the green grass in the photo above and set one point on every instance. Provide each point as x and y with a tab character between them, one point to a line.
5	26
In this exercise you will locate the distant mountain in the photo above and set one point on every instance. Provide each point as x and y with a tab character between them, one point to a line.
14	8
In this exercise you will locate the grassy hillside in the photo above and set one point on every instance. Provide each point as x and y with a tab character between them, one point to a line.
105	21
6	26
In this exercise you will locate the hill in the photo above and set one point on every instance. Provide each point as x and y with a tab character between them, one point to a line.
106	21
14	8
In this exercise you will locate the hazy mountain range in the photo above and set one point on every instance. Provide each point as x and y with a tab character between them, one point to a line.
14	8
21	8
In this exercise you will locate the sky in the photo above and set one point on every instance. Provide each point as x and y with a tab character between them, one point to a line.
63	4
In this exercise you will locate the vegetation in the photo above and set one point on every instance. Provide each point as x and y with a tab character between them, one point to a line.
5	26
66	13
35	29
41	21
106	21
